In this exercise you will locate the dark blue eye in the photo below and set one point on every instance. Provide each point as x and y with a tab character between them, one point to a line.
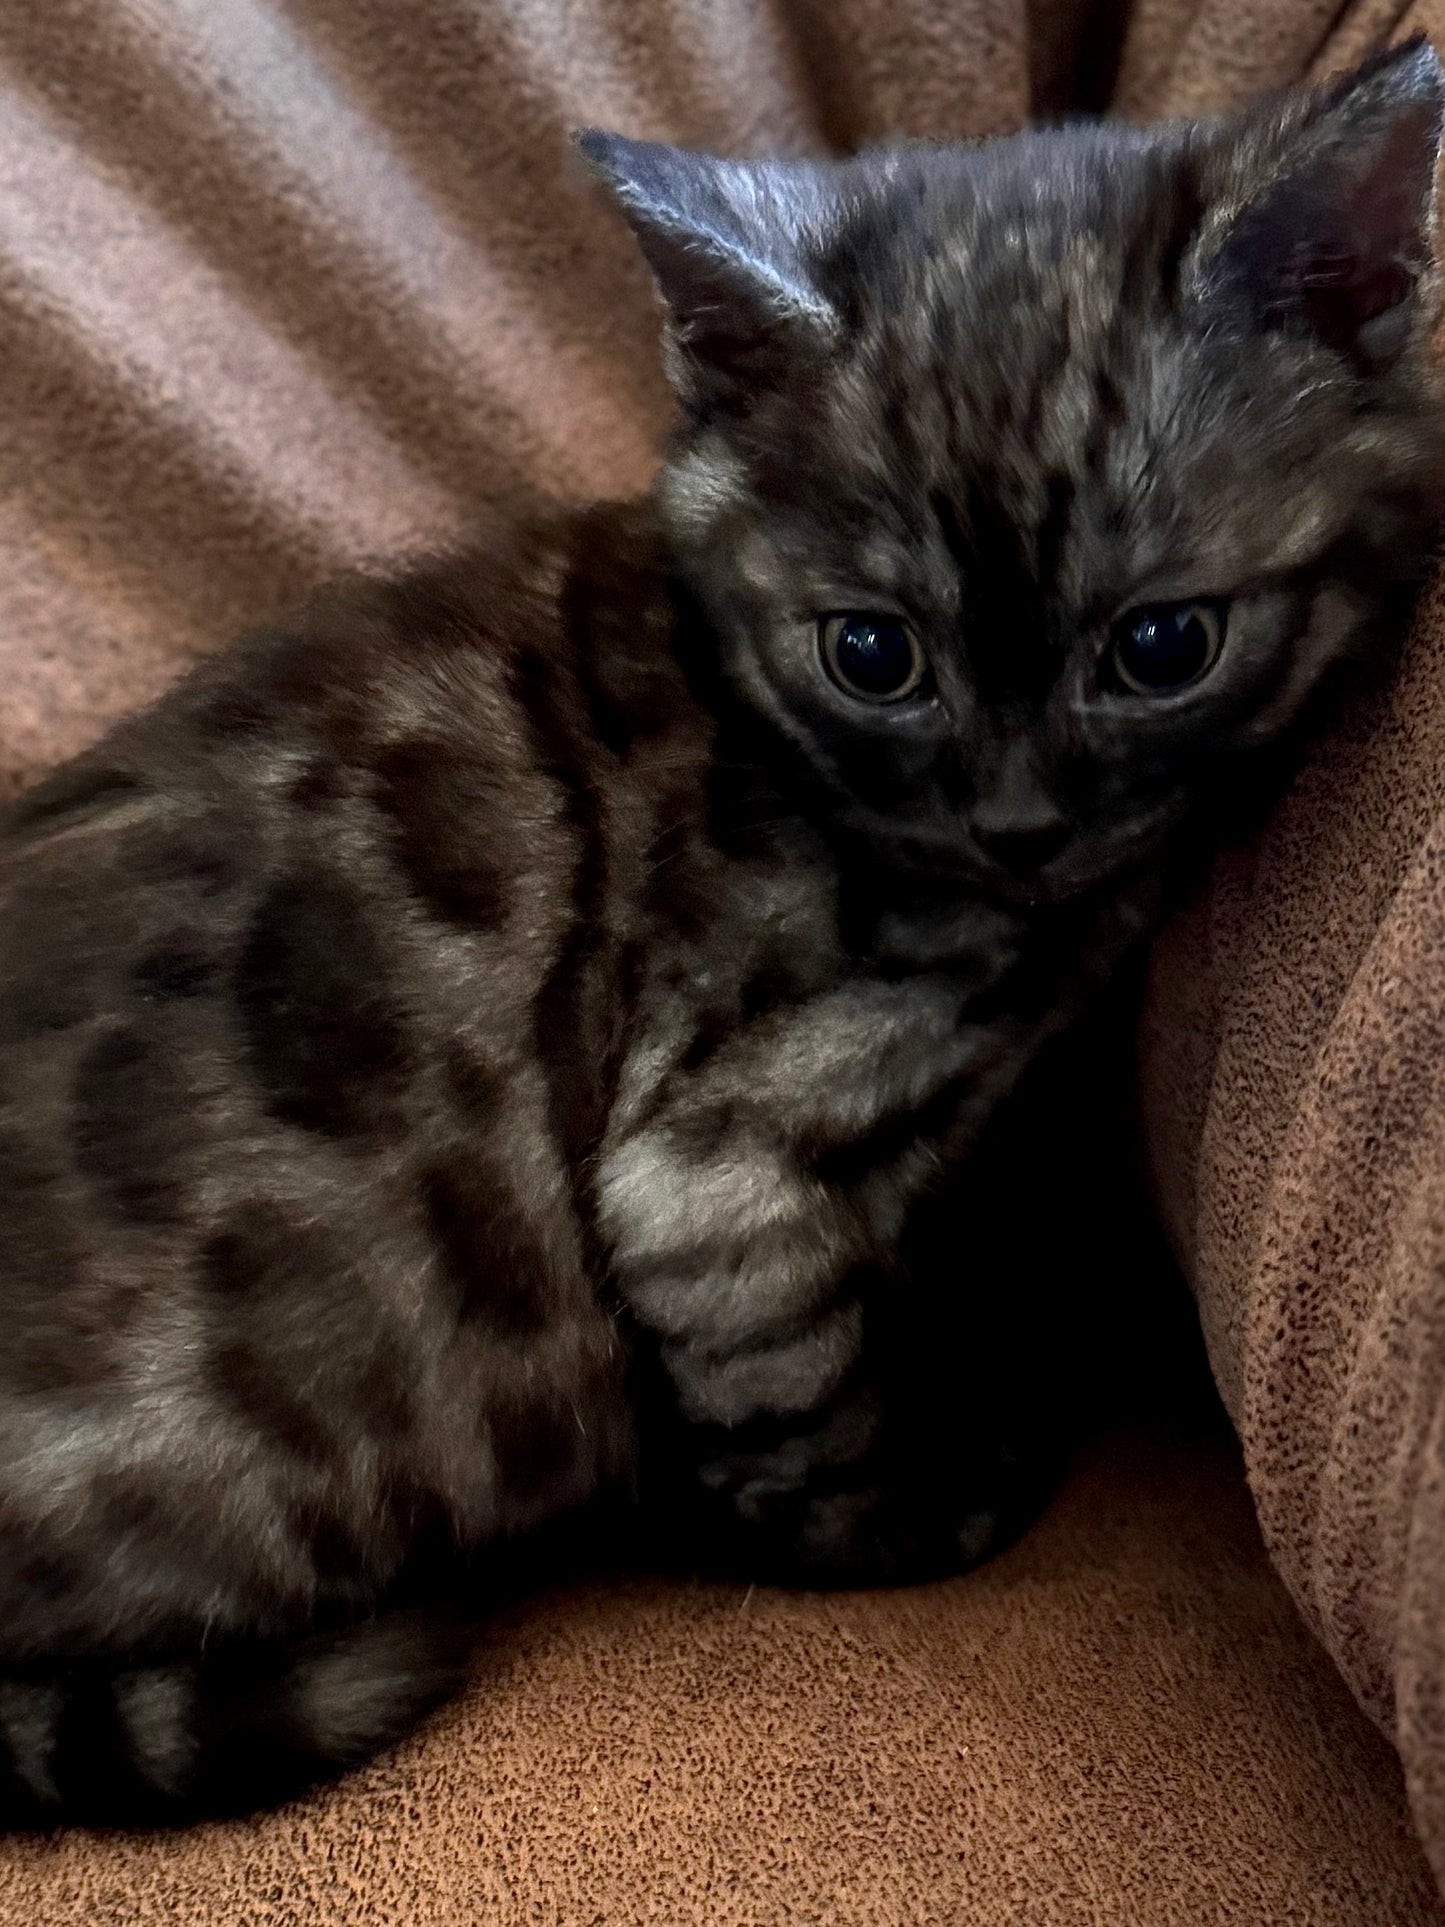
873	657
1167	644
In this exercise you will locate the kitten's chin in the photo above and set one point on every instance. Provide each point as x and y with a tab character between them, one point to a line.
1077	875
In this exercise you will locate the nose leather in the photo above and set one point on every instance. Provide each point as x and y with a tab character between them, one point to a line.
1018	824
1022	846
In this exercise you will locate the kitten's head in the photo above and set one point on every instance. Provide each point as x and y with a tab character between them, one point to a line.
1027	483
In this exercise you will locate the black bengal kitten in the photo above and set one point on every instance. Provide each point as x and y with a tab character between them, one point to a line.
573	959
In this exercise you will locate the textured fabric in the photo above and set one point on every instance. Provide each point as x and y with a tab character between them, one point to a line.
1120	1722
1295	1088
291	284
1294	1085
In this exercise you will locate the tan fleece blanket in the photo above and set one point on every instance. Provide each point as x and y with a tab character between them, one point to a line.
292	283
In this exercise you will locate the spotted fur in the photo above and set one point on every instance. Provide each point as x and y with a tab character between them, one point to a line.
480	1047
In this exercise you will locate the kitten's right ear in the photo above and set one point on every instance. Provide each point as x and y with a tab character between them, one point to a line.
1334	234
733	246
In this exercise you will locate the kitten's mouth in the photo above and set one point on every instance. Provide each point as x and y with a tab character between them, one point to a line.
1041	891
1074	875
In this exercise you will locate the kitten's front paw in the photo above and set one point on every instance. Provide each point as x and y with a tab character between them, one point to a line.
797	1515
880	1538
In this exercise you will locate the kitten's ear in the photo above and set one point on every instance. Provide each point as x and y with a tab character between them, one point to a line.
732	246
1335	234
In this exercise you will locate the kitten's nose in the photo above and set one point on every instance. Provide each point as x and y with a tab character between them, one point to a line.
1017	820
1022	847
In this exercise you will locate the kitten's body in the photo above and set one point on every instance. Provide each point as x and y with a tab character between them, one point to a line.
535	967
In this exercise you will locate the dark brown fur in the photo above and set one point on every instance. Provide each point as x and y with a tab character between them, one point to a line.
533	977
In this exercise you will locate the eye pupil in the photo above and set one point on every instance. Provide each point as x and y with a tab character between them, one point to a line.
1167	645
871	656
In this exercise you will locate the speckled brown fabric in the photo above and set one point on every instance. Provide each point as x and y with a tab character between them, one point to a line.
1295	1084
1294	1080
289	283
1120	1722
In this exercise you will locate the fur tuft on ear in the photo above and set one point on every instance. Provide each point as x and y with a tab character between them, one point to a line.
1334	234
732	246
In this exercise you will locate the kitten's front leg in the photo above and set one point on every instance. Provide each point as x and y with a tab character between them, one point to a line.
752	1211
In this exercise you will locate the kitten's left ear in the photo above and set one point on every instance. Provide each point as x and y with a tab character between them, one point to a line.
733	246
1334	237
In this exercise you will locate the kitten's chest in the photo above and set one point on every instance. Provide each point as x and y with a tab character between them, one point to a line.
779	1104
772	1022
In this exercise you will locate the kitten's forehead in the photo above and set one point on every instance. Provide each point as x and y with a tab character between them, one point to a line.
1025	379
1021	250
1015	205
1005	342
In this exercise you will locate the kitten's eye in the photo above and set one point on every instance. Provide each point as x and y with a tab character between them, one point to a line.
876	658
1167	644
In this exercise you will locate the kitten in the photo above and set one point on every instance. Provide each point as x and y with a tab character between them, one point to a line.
564	966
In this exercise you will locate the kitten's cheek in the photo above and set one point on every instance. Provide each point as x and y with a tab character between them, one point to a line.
1306	644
